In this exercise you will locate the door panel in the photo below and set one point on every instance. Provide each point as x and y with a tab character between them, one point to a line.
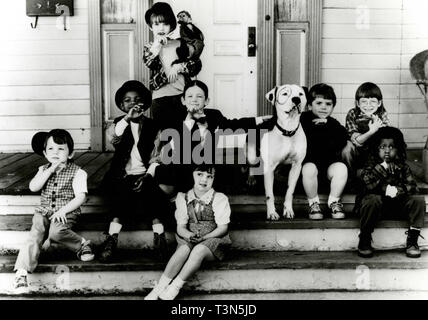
230	74
118	66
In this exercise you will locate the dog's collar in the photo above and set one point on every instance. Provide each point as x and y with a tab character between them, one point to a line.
286	132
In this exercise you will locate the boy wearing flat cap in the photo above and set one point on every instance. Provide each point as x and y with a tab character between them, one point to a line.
64	190
131	183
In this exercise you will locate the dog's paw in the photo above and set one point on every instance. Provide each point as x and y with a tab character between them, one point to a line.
288	213
273	216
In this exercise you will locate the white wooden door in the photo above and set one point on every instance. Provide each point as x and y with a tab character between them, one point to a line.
230	74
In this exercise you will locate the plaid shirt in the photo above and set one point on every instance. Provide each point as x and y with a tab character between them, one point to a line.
376	178
58	190
357	123
158	79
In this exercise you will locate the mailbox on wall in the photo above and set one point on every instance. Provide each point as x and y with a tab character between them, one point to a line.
43	8
49	8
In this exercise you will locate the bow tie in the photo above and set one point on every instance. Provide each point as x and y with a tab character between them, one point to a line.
201	120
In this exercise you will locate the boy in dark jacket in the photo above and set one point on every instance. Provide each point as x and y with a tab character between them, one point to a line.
326	138
131	182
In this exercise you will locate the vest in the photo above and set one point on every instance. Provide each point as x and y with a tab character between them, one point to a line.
58	190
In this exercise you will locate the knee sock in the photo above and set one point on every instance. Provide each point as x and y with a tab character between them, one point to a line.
114	228
158	228
178	282
332	199
163	282
313	200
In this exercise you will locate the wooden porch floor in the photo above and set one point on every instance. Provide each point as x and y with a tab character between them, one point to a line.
17	169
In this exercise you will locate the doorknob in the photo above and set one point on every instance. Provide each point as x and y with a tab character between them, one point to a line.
251	41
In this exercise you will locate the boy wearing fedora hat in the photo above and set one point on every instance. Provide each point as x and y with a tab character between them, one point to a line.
173	61
131	183
64	190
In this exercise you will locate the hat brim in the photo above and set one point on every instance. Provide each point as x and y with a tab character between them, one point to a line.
137	86
38	142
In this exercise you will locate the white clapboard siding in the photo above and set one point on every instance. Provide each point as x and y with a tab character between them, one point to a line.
37	78
353	16
48	107
44	62
352	4
25	93
41	47
374	40
416	105
24	137
47	32
361	61
45	122
44	76
352	31
18	17
360	76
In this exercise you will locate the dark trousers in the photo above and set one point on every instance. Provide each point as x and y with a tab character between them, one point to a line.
145	205
169	112
375	207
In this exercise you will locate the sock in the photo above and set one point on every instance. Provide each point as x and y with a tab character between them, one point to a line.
313	200
178	282
163	282
21	272
114	228
158	228
332	199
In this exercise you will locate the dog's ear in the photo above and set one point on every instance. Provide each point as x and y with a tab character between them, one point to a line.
306	92
270	96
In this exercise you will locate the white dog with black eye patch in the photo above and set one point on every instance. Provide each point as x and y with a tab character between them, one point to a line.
285	143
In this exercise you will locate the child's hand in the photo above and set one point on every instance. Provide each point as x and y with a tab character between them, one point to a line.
391	191
195	239
375	124
138	184
173	72
135	112
319	121
59	216
54	167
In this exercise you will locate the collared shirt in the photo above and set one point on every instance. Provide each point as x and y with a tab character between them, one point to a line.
221	206
376	178
357	123
135	165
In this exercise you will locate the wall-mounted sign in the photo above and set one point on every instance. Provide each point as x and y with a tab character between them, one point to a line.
50	8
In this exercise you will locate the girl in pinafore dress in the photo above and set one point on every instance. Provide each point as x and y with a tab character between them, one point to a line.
202	218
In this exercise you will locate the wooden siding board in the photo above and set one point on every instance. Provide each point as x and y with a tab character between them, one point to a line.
359	76
351	16
47	107
23	93
44	62
42	47
351	31
45	122
55	77
352	4
361	46
413	106
25	136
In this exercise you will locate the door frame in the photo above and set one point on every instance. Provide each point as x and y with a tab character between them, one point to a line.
266	61
95	65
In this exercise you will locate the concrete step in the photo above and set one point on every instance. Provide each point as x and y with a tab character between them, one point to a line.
249	228
242	272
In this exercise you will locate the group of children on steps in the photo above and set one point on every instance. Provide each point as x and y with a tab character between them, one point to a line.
140	183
